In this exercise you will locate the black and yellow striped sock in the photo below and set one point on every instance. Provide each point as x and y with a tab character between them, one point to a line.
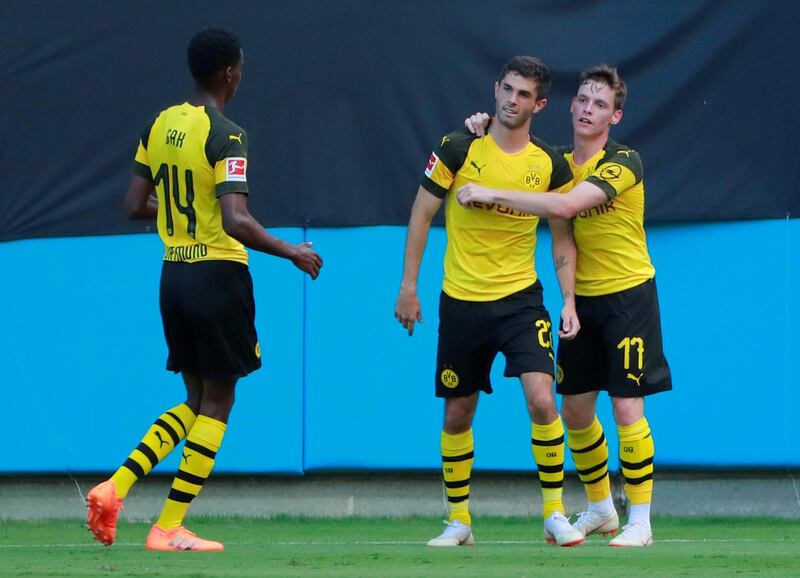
162	437
590	454
199	454
547	444
457	459
636	452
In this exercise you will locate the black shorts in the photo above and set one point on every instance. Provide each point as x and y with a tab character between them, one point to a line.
471	333
618	348
208	312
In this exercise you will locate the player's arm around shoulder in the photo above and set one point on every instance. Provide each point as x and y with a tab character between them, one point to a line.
581	197
549	205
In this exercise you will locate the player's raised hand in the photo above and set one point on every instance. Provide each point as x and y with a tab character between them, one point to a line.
307	260
478	123
472	193
407	310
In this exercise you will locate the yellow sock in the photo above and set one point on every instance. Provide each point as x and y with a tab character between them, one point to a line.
457	459
199	454
590	454
162	437
547	444
636	452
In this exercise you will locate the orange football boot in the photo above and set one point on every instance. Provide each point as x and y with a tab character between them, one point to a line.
103	509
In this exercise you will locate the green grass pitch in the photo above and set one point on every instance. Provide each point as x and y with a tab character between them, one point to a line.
389	548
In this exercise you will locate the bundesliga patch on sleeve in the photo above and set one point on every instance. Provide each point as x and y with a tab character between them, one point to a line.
236	169
431	165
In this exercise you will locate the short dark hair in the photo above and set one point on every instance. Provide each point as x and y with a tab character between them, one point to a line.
532	68
609	76
211	50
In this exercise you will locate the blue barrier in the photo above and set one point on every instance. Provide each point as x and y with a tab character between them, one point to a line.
343	387
82	355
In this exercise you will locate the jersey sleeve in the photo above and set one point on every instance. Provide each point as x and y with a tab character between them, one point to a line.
561	181
445	161
226	150
561	176
617	171
141	164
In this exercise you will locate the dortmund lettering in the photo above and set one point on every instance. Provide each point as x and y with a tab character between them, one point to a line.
186	252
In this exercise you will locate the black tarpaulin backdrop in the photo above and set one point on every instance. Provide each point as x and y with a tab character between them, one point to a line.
343	101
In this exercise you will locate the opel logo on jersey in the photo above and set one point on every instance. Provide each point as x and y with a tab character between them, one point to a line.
449	378
532	181
611	172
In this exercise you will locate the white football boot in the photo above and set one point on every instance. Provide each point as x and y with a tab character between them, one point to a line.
634	534
596	522
456	533
558	530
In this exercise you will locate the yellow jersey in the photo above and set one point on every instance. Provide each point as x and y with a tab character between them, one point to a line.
612	246
194	155
490	249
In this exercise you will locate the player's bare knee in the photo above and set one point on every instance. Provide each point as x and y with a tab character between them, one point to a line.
219	412
456	422
194	391
542	409
193	402
577	414
217	403
458	414
628	410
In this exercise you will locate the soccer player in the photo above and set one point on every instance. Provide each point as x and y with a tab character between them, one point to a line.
195	161
491	299
619	346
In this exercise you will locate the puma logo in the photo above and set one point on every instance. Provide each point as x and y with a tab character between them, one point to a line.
477	168
161	441
635	378
186	456
235	137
